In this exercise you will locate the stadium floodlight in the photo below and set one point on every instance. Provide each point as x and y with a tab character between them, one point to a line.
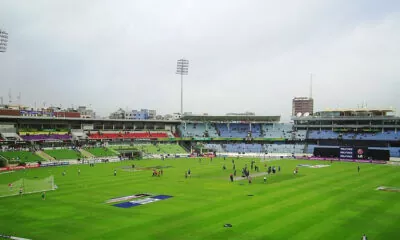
182	68
3	40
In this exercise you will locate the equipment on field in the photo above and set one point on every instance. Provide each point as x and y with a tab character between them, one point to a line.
27	186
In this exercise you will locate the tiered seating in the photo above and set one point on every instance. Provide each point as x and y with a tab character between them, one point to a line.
235	130
127	135
215	147
10	136
212	131
255	130
278	130
78	135
192	129
243	147
300	134
257	148
324	134
284	148
328	134
46	137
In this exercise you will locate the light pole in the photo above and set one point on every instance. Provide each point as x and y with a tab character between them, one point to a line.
3	40
182	68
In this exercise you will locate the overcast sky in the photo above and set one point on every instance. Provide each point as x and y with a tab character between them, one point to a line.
244	55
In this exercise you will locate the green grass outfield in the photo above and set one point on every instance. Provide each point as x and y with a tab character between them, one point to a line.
101	152
328	203
61	154
24	156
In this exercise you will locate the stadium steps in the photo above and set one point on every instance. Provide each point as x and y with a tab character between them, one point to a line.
86	153
186	147
45	156
114	151
1	157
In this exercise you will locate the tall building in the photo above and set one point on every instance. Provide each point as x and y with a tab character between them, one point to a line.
302	105
86	112
142	114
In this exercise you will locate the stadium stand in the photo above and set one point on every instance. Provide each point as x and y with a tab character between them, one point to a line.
243	147
284	148
257	148
127	135
278	130
192	129
214	147
9	133
233	130
299	135
328	134
78	134
47	137
211	130
10	137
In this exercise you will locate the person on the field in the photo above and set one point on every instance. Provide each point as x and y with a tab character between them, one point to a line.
115	172
10	186
224	167
251	165
364	237
43	195
358	168
231	177
63	173
224	158
249	179
20	191
133	165
189	172
186	175
234	173
79	171
265	179
234	167
279	168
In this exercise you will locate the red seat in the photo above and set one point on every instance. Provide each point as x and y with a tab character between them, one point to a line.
128	135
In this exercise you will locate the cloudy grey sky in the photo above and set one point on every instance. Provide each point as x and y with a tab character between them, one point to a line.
244	55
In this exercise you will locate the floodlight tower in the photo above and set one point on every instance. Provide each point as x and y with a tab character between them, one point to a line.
3	40
182	68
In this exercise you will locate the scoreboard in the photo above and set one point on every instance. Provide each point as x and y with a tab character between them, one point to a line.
353	153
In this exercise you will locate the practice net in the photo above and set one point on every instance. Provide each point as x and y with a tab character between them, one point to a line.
27	186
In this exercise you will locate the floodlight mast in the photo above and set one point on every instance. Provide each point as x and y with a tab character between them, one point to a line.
182	68
3	41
